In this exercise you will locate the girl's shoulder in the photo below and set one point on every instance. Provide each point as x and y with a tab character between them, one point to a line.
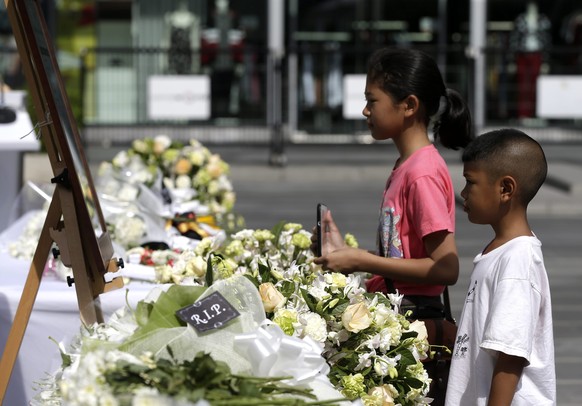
427	161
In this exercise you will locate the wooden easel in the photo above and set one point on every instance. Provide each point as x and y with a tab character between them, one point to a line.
74	214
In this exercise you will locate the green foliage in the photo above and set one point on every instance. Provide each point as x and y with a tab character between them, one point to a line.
204	378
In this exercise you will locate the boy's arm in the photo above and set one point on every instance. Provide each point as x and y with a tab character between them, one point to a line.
506	375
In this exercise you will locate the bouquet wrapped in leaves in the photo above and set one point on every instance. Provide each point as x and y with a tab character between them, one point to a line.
148	355
375	354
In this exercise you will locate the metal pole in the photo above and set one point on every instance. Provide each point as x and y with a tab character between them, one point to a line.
476	52
275	57
292	70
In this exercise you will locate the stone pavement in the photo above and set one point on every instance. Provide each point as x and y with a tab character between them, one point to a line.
350	179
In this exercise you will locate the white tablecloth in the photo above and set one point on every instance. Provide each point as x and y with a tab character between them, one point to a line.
55	314
13	142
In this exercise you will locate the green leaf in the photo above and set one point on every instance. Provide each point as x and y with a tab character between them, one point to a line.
142	312
408	334
287	288
413	382
340	308
308	300
162	313
406	358
65	358
277	229
264	273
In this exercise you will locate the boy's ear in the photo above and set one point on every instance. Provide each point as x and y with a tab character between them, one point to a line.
508	187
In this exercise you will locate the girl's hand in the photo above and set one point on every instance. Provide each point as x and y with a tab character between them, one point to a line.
331	236
344	260
332	239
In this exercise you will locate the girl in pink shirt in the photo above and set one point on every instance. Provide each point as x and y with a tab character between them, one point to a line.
416	254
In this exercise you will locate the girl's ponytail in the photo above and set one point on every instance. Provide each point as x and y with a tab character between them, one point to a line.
454	127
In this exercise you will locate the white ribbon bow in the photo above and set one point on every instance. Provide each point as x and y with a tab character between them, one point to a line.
273	353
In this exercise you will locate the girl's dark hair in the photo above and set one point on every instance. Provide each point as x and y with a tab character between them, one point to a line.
402	72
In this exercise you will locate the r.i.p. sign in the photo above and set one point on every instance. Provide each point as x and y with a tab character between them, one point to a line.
209	313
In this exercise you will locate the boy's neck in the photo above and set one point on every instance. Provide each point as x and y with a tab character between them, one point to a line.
509	227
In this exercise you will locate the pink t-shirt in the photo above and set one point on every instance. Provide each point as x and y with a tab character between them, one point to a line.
419	199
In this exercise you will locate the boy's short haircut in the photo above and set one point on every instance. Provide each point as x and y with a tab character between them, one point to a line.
510	152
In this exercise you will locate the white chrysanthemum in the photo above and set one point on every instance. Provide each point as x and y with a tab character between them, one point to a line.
83	383
243	234
25	246
183	182
143	176
312	325
129	229
151	397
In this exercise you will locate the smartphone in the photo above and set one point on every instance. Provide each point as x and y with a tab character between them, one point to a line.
321	210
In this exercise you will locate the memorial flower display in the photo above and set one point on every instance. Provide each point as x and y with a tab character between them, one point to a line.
181	172
165	190
375	354
149	356
339	343
369	353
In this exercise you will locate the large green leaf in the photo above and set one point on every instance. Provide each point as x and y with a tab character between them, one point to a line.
163	313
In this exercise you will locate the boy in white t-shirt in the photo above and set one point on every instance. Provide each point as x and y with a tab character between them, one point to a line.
504	353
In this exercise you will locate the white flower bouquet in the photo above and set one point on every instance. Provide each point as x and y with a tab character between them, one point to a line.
148	355
375	353
166	191
187	171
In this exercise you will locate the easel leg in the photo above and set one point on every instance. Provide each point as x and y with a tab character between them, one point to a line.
28	297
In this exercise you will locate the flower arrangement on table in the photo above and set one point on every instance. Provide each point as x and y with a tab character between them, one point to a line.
374	352
161	184
149	356
187	171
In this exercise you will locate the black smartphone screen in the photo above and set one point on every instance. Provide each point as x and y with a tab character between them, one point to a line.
321	209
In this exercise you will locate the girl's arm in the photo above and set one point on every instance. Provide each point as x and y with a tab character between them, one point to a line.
506	376
441	267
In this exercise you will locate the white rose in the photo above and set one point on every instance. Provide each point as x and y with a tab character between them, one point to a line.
356	317
161	143
420	328
271	297
196	266
384	392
